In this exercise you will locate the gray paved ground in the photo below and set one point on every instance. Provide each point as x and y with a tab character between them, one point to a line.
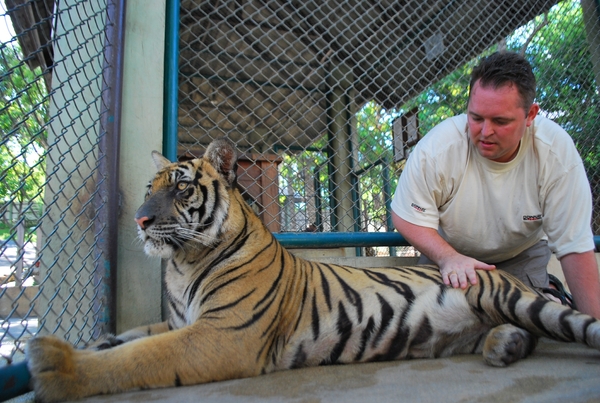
14	328
556	372
9	257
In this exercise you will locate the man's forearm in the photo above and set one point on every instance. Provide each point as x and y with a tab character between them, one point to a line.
425	240
581	273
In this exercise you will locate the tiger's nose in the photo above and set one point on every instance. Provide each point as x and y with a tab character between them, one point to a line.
143	222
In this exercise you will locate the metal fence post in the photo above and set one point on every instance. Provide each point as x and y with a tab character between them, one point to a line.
107	203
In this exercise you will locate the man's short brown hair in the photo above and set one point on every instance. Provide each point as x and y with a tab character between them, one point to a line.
505	68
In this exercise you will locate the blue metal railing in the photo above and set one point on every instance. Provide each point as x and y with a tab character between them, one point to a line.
351	239
340	239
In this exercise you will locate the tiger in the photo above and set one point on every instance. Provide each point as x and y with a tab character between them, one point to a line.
241	305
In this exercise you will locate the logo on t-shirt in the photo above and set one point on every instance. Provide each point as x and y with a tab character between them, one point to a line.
532	217
418	208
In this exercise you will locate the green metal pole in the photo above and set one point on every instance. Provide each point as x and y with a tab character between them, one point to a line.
171	80
354	179
388	203
333	201
318	198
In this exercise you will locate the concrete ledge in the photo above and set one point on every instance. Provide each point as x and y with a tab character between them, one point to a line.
556	372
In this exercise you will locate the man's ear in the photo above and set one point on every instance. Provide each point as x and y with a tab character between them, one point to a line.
533	111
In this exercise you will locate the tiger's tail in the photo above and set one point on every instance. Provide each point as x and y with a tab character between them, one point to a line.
541	317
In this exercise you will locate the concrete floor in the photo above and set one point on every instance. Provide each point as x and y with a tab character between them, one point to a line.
556	372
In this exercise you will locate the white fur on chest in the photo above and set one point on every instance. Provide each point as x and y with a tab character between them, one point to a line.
178	287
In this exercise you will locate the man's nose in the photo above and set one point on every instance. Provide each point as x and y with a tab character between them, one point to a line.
487	128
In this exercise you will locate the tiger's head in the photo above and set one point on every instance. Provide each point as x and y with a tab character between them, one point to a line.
187	203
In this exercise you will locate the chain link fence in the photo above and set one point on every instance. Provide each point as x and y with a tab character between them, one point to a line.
331	95
55	104
324	100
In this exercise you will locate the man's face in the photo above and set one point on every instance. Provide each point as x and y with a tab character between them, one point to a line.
497	121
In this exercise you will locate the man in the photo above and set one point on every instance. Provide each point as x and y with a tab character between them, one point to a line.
500	187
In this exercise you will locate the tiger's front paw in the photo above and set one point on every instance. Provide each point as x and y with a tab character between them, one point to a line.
105	342
53	367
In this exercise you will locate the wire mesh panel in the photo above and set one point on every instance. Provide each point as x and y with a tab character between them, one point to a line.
53	109
323	98
332	94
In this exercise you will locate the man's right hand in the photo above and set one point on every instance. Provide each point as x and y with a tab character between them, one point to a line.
459	271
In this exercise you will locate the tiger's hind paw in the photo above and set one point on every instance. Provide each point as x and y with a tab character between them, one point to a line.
506	344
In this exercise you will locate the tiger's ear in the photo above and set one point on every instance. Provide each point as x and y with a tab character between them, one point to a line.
159	160
222	156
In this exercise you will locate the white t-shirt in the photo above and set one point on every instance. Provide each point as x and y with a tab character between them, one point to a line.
493	211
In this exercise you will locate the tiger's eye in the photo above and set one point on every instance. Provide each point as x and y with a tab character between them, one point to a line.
182	185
